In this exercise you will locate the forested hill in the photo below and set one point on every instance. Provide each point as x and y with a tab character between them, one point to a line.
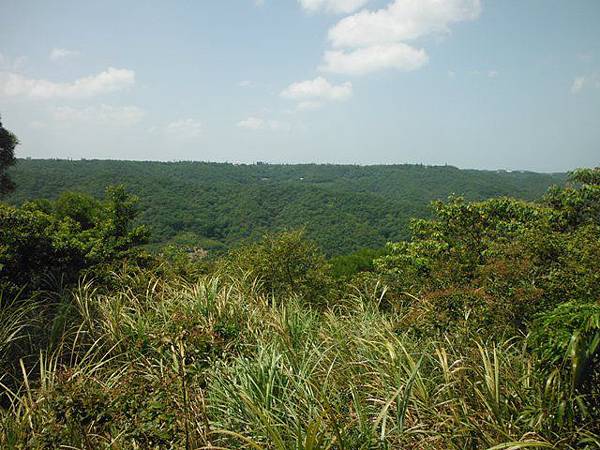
343	207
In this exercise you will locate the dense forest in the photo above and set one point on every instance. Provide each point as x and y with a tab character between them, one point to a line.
481	330
343	208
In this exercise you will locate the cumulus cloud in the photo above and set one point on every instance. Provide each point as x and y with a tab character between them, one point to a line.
257	123
99	115
368	41
111	80
333	6
402	20
186	129
370	59
62	53
317	89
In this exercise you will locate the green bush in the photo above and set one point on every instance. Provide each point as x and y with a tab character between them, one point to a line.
286	264
45	242
514	258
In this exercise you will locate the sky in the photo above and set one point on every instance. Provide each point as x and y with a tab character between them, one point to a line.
488	84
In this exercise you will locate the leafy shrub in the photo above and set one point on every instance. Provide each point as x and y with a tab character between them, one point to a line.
62	240
286	264
501	260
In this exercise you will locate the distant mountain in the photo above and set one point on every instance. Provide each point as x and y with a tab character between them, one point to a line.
214	205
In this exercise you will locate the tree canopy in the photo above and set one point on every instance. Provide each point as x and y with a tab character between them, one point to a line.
343	208
8	142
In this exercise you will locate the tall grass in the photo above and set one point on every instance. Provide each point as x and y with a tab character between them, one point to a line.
164	363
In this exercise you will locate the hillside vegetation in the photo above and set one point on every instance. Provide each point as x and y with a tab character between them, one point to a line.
481	331
343	208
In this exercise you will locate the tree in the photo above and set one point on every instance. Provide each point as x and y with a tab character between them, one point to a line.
82	208
67	238
286	264
495	264
8	142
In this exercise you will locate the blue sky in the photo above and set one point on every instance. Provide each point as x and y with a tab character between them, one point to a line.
512	84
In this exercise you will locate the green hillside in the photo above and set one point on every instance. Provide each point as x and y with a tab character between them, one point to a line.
343	207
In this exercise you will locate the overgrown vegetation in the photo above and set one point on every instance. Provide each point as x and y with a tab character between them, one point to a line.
481	331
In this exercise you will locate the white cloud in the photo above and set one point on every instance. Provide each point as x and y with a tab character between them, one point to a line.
492	73
578	85
401	20
101	115
245	83
370	59
333	6
584	82
185	129
62	53
251	123
259	3
111	80
317	89
370	41
257	124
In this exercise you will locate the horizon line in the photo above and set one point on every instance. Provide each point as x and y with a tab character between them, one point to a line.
270	163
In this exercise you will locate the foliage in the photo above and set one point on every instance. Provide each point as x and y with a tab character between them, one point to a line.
345	266
482	331
285	264
214	365
343	208
8	142
44	241
568	337
494	264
